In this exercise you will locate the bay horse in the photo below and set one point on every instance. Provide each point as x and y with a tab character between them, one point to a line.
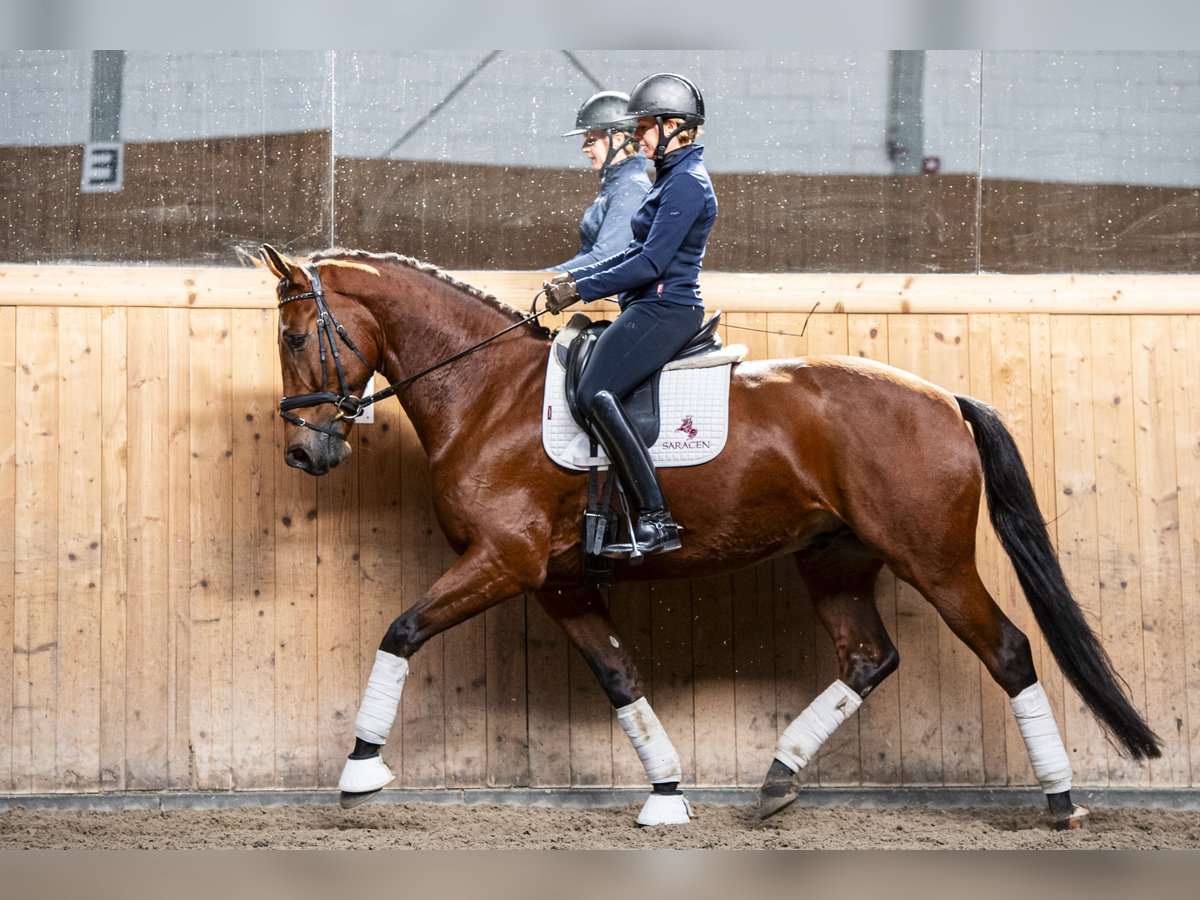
844	463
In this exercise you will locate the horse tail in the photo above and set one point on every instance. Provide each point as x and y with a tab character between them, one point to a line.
1018	522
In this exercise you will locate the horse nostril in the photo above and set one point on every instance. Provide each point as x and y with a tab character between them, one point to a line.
298	457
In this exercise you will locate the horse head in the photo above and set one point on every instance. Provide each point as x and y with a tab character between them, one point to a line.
329	345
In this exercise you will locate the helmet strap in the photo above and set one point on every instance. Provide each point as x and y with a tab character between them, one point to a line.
663	138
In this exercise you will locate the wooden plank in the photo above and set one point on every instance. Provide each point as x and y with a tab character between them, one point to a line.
180	768
588	723
879	716
671	668
549	673
1162	623
1076	518
254	461
211	550
8	538
148	627
35	608
464	649
713	674
214	287
296	654
1120	584
918	625
1185	337
114	455
79	576
507	729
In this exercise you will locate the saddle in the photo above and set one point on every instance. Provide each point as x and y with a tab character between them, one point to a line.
642	406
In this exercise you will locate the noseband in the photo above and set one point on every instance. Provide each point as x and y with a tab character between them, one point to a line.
348	406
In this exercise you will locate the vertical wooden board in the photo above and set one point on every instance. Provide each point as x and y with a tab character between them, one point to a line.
114	458
423	734
211	679
338	641
753	610
148	626
1075	517
1120	585
879	716
253	478
549	701
507	721
296	653
8	536
714	687
630	605
1158	532
79	530
588	725
671	669
917	625
1042	472
35	609
181	770
1185	337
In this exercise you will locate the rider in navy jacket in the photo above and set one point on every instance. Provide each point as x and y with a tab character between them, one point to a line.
657	278
608	143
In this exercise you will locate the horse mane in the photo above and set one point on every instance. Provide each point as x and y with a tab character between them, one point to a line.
433	271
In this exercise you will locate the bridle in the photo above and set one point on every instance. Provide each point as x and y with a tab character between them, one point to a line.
348	406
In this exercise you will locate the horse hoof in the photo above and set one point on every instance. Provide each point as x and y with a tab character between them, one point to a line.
363	776
351	799
778	791
1076	820
665	809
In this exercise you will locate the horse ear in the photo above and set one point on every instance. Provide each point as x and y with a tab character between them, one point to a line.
276	262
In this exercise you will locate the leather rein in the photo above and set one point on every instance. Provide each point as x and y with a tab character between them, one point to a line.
349	406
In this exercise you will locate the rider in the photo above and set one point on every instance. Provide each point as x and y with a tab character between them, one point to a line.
657	278
608	142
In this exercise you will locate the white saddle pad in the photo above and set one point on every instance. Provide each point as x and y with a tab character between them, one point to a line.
693	408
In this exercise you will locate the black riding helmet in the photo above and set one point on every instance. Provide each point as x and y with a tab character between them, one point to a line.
605	112
666	96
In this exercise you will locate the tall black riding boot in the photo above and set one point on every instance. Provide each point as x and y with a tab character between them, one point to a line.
654	531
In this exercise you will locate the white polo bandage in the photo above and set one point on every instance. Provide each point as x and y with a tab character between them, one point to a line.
653	747
802	739
381	699
1036	722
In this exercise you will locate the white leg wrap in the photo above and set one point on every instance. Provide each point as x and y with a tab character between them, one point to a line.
802	739
653	747
1035	719
381	699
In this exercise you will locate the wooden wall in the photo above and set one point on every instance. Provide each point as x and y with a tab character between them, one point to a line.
179	610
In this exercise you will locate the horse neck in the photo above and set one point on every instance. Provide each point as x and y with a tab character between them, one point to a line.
427	320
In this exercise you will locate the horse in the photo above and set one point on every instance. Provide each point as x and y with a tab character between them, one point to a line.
844	463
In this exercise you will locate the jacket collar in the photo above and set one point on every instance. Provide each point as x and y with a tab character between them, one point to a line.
671	160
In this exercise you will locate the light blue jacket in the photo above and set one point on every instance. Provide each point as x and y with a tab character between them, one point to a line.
604	229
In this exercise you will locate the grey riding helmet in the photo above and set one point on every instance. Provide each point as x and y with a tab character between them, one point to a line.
666	96
605	112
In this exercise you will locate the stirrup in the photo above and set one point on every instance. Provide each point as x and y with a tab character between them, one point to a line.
665	538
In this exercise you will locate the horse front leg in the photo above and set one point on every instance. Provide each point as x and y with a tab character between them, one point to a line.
473	584
584	617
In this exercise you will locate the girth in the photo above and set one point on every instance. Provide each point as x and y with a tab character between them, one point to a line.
642	405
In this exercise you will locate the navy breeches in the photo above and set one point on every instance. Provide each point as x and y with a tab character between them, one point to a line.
643	338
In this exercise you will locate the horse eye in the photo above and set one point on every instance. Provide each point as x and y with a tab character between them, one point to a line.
296	341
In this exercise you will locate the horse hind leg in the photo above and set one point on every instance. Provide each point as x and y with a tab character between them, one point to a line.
965	605
840	575
584	617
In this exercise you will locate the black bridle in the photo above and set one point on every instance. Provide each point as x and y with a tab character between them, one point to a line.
348	406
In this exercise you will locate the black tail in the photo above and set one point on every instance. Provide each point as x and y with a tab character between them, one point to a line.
1018	522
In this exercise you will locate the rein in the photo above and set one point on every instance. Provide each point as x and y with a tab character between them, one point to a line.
349	406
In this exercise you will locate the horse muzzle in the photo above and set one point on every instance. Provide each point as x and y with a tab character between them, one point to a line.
316	452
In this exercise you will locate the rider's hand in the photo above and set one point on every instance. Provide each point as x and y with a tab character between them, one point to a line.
561	292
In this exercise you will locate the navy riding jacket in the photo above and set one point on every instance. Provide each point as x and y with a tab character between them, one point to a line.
670	231
605	229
